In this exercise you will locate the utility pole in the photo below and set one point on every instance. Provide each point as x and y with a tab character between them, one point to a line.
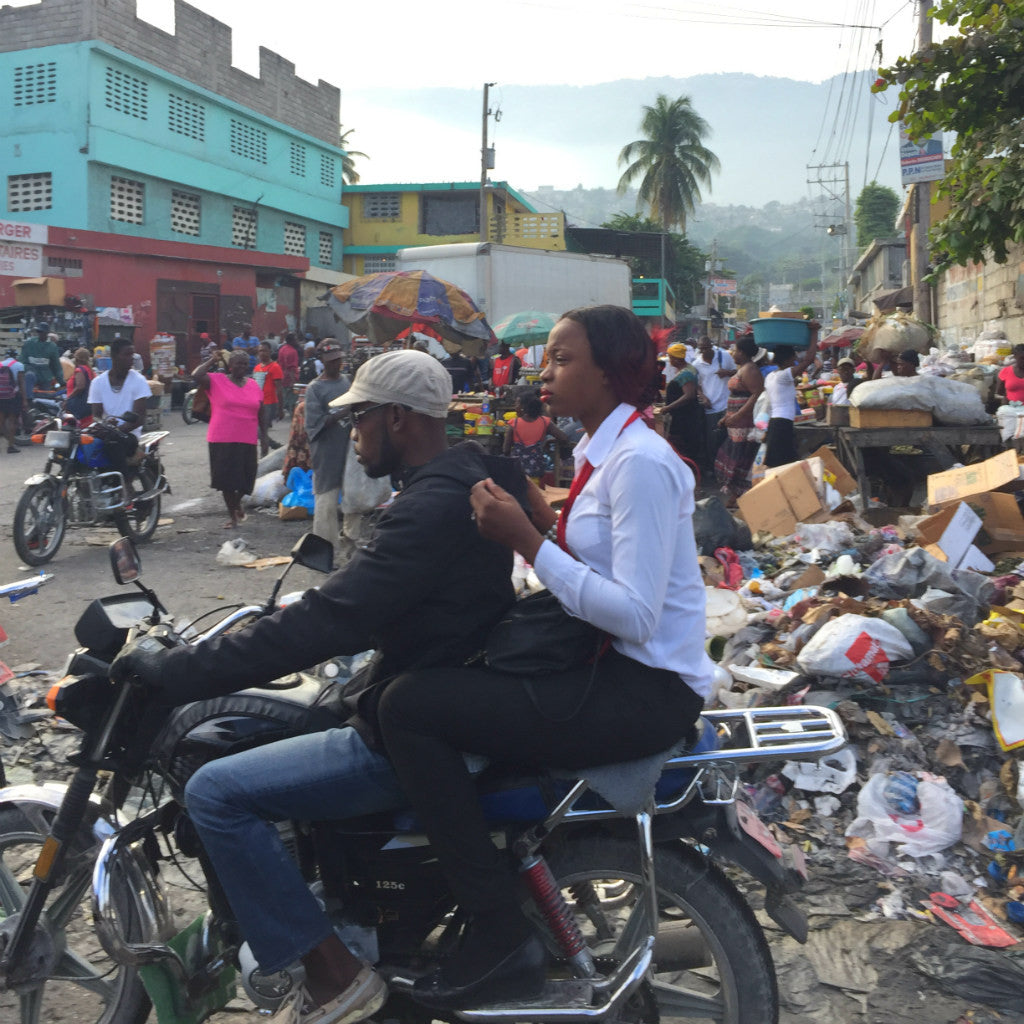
923	199
486	163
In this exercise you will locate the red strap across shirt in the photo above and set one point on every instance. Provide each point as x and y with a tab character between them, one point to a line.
579	481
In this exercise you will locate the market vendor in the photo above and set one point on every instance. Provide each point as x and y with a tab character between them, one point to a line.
846	369
1010	385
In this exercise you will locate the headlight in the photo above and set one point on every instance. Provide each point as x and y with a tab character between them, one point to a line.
60	439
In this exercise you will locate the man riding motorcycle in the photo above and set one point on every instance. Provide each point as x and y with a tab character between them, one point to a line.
425	592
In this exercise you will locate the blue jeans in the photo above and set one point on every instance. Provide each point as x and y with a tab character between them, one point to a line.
328	775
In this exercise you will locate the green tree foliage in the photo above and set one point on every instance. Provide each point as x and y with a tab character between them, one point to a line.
349	174
684	263
972	84
875	213
671	161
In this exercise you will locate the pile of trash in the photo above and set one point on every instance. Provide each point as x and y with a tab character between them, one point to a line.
923	658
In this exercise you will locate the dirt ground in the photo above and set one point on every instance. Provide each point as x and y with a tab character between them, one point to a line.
858	966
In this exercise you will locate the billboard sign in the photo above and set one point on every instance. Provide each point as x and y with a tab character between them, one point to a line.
723	285
21	249
921	161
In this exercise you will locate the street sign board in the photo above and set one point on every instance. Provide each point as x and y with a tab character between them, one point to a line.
723	285
922	161
21	249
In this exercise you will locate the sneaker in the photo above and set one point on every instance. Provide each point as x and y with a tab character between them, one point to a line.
362	999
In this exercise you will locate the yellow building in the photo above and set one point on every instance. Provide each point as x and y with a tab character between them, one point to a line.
386	218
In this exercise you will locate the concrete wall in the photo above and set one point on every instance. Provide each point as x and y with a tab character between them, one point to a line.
982	296
199	52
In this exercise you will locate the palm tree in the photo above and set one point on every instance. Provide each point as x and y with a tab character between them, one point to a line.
672	160
349	174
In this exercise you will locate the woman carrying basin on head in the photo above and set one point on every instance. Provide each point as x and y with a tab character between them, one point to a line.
621	556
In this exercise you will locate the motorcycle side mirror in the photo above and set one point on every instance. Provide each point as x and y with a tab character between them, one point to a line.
124	560
313	552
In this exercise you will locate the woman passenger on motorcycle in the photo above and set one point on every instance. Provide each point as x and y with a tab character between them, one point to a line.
623	557
78	387
233	433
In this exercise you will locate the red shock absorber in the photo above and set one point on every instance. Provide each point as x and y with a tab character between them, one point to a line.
560	919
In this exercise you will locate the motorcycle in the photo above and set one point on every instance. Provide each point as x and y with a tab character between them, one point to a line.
641	921
186	407
77	488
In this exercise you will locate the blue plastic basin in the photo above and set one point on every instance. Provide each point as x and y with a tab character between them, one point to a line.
772	331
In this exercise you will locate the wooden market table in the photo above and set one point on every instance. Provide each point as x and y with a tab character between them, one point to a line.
853	440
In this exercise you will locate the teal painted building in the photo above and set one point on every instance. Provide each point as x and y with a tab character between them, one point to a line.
158	178
99	140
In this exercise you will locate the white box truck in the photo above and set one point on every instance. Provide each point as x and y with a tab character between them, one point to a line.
506	279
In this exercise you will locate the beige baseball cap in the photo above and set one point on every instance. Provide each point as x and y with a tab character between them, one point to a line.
410	378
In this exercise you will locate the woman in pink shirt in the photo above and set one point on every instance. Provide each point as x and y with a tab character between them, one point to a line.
1011	378
235	400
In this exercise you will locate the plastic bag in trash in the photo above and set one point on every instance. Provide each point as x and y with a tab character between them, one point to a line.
911	573
714	527
828	538
300	489
934	827
268	490
832	774
854	647
234	552
974	973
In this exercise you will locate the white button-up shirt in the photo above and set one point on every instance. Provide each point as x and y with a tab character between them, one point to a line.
632	529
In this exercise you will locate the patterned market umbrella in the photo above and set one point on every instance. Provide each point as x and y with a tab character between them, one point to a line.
383	306
529	328
842	337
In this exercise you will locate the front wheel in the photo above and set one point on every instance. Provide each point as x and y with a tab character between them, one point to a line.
39	524
81	983
711	960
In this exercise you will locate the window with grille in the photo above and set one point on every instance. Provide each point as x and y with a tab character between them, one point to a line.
184	213
378	264
249	141
127	200
298	160
127	94
327	170
65	266
29	192
35	83
294	239
243	227
326	248
382	205
186	117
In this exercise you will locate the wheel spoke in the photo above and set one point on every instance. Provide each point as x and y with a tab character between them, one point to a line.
12	895
678	1002
69	900
78	970
31	1006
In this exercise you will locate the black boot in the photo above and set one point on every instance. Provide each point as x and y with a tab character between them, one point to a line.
500	959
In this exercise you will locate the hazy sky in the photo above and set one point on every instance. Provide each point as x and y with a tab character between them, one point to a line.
366	47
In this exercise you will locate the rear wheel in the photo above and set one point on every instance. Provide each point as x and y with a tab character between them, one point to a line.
83	985
39	524
711	960
141	518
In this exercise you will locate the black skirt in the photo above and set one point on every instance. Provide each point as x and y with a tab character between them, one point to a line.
232	466
779	442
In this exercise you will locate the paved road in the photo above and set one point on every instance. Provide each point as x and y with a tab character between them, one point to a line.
179	562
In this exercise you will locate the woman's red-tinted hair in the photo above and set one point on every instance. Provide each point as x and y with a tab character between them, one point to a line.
622	349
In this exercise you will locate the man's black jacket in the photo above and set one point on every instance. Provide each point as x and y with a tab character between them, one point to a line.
425	592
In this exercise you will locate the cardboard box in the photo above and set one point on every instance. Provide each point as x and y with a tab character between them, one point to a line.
868	418
838	415
949	536
1002	471
39	291
1002	525
797	493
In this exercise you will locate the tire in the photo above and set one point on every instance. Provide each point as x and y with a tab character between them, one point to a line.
710	949
103	992
141	520
186	407
39	524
